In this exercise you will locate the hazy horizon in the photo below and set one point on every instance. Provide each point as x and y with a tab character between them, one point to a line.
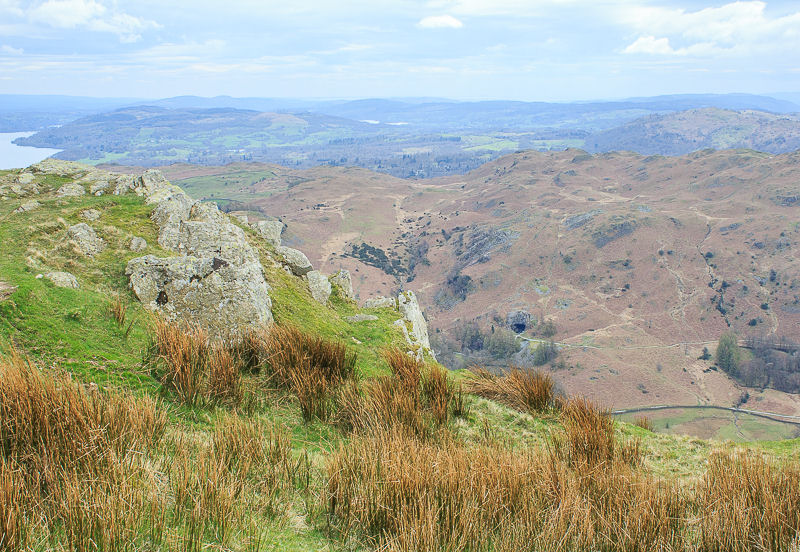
553	50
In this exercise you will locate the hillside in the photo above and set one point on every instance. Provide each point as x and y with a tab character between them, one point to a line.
687	131
123	426
640	262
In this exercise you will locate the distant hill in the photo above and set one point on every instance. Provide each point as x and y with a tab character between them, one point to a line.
692	130
21	112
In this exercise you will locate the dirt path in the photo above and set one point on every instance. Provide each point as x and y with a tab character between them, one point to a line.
774	416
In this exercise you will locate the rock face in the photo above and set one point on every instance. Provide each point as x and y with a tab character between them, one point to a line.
270	230
518	320
295	260
63	279
409	307
215	279
319	286
343	281
413	324
138	244
85	239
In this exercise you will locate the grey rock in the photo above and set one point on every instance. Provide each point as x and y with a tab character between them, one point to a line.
28	206
168	215
207	212
361	318
71	189
25	179
90	214
241	218
296	260
343	281
380	302
58	167
85	239
138	244
99	187
208	291
210	239
270	230
62	279
418	333
319	286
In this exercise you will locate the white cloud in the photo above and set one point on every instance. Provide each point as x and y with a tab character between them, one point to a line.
6	49
440	22
650	45
91	15
739	27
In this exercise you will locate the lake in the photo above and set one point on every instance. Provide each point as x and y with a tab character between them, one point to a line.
18	157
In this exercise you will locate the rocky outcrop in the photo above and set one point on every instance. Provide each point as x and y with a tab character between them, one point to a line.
71	189
206	290
63	279
269	230
412	324
296	260
85	239
518	320
319	286
216	278
409	307
343	281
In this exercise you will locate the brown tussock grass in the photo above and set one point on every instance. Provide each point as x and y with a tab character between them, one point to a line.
528	391
192	367
748	503
644	422
118	311
394	492
312	367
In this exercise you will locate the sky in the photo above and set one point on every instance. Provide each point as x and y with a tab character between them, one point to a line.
532	50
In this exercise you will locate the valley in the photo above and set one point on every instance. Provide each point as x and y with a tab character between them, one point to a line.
639	261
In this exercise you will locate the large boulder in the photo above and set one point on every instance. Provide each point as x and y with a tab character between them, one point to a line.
62	279
319	286
343	281
58	167
296	260
207	291
85	239
269	230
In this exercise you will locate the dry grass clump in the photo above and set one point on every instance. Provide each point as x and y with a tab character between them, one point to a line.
587	440
70	459
312	367
399	493
416	398
644	422
746	503
192	367
524	390
117	310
